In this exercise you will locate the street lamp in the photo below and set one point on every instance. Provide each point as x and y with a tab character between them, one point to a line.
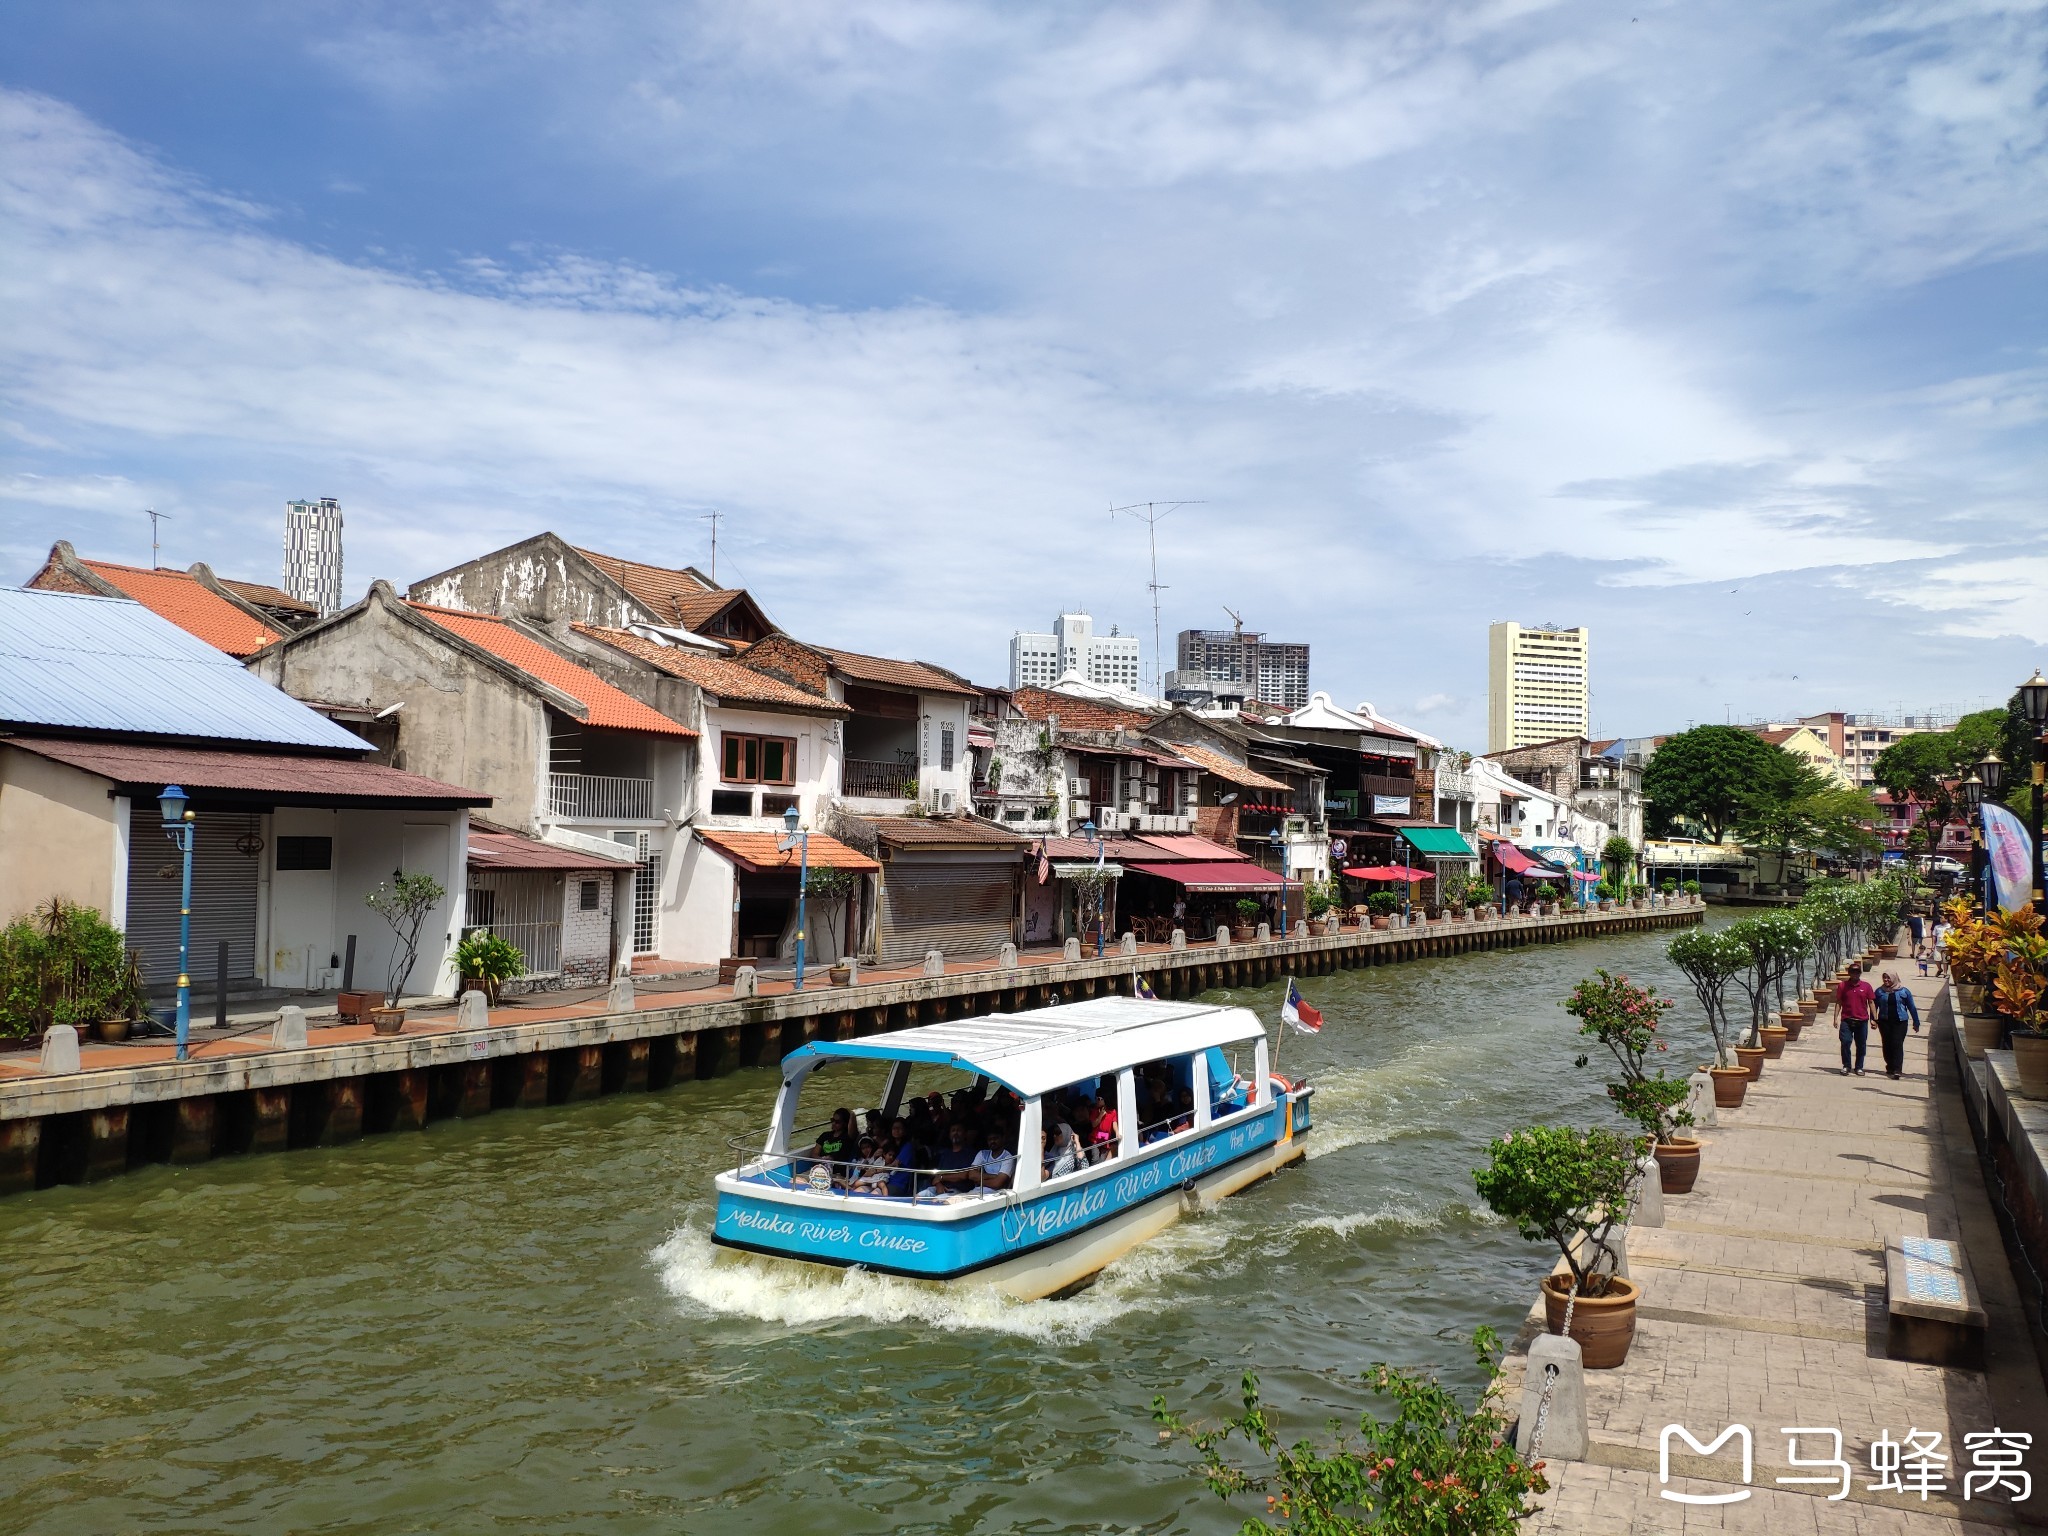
2034	704
1973	796
798	838
1089	832
180	826
1278	842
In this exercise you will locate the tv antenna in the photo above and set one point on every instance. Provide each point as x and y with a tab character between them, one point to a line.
154	517
712	518
1151	514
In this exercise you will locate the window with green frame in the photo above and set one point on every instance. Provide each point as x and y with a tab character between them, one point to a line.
757	759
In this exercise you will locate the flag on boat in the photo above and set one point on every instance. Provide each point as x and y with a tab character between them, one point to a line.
1140	987
1296	1011
1044	864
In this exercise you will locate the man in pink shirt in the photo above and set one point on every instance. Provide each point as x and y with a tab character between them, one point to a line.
1853	1002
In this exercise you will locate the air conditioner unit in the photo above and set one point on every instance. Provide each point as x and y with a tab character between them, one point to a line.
1077	807
1135	808
1077	788
944	801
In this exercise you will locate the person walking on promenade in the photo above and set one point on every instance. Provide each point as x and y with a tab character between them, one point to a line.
1893	1004
1918	927
1853	1002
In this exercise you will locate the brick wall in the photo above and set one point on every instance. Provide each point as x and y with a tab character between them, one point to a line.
587	936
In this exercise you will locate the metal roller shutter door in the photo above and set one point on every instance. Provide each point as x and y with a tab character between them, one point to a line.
957	909
223	895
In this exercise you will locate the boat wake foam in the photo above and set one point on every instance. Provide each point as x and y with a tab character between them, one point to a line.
712	1280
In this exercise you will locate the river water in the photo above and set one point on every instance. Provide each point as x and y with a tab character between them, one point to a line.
515	1323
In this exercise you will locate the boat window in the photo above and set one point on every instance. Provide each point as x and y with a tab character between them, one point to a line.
927	1149
1228	1093
1166	1098
1079	1124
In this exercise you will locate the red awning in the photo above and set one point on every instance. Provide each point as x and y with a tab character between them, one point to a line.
1391	872
1513	858
1235	875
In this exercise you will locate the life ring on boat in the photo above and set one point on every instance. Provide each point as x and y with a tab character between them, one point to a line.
1283	1082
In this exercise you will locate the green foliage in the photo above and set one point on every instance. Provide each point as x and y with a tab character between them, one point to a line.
1707	776
1810	810
404	902
1691	887
65	964
1569	1186
1628	1021
1669	887
1431	1468
828	882
1546	892
1710	961
995	771
1618	859
1382	903
1247	908
485	956
1478	891
1319	895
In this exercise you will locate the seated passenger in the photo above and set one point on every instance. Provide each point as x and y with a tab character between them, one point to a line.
995	1165
871	1172
903	1158
1184	1111
1103	1142
955	1159
1064	1152
835	1145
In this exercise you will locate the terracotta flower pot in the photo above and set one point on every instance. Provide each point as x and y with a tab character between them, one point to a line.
1980	1034
1808	1008
1678	1164
2030	1056
1380	924
1887	951
1752	1058
112	1030
387	1021
1774	1037
1730	1084
1794	1023
1604	1325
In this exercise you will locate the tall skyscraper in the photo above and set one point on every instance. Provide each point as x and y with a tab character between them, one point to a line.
1238	664
1039	660
312	553
1536	685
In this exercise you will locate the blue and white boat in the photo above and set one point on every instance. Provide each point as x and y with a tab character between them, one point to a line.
1219	1121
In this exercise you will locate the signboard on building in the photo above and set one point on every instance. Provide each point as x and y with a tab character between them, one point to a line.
1392	805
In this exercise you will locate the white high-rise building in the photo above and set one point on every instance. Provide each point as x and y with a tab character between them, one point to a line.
1040	660
312	553
1537	686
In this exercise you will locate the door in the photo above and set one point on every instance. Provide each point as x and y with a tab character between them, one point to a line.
957	909
423	849
226	861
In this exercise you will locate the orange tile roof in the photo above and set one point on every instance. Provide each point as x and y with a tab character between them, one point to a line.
728	680
608	707
900	674
1079	714
1224	768
265	596
178	596
756	852
661	588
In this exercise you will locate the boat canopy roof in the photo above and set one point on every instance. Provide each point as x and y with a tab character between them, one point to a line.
1048	1048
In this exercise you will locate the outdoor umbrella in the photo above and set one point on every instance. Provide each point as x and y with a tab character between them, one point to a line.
1390	872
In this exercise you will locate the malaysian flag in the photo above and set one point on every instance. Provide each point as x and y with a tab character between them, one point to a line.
1044	864
1140	987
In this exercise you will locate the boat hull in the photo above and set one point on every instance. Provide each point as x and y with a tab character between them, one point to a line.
1034	1247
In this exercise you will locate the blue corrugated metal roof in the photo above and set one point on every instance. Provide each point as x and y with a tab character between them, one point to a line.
106	664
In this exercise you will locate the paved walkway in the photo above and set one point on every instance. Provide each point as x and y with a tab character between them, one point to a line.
1764	1305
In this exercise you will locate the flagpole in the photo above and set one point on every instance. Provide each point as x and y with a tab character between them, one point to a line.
1280	1032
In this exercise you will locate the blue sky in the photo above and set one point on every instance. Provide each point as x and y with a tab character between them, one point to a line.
1718	328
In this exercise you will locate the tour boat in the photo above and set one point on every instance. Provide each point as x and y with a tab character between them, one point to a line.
1222	1120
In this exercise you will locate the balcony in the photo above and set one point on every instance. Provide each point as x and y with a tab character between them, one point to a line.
1385	784
860	779
598	797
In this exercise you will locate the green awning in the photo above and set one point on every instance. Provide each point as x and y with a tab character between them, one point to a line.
1441	841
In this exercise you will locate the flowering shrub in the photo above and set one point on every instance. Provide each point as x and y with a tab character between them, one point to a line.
1626	1019
1432	1469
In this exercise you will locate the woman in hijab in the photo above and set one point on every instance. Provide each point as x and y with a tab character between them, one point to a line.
1894	1005
1063	1154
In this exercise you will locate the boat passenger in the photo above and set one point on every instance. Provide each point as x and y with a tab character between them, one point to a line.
835	1145
1102	1140
871	1173
995	1165
955	1160
1064	1153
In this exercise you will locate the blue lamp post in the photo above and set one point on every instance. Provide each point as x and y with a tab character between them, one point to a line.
1088	831
799	838
1278	842
179	827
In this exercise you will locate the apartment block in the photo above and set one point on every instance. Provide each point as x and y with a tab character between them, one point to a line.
1039	660
1537	686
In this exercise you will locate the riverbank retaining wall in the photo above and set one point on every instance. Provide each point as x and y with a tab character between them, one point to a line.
85	1126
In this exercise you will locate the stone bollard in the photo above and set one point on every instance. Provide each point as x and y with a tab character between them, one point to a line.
1300	928
746	982
1564	1426
473	1012
1649	1208
1127	945
1223	938
934	963
1006	958
1071	950
1179	940
1265	933
620	998
1701	1101
60	1049
289	1032
852	964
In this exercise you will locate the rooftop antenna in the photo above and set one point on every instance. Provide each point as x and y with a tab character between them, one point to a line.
155	517
712	518
1151	514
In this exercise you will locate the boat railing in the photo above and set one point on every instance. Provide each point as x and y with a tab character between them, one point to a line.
846	1177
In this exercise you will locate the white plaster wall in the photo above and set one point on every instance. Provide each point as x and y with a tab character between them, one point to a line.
819	751
934	711
369	845
302	909
702	928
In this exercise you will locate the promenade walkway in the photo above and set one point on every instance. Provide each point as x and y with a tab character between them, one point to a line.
1764	1305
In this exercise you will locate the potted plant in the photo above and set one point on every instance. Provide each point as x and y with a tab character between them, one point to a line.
1246	928
1572	1188
1625	1018
1382	905
486	962
1546	899
404	901
1709	961
63	963
2020	993
1691	889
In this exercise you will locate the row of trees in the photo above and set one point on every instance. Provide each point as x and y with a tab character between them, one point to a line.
1720	779
1929	766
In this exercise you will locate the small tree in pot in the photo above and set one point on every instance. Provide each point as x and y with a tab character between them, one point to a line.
1710	961
1573	1188
404	901
1382	905
1626	1019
